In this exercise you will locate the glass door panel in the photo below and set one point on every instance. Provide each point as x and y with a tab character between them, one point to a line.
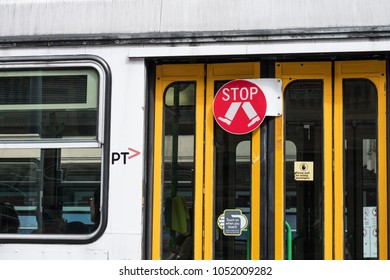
232	191
304	171
179	171
360	194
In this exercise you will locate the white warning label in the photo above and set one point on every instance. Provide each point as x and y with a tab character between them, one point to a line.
304	170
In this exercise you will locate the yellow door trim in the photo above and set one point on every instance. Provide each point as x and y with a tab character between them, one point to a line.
228	71
288	72
165	75
338	167
255	196
375	71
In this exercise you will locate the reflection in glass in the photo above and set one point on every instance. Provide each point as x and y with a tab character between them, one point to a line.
48	104
232	191
48	191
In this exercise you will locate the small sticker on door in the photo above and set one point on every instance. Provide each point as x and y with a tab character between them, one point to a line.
304	170
232	222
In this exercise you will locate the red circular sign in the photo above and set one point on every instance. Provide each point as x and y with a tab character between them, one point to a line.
239	106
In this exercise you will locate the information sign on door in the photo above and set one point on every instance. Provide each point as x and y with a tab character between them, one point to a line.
304	171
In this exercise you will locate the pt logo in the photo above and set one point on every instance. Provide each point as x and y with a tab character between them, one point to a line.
239	106
123	156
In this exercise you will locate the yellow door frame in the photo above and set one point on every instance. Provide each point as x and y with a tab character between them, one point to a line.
289	72
221	72
375	71
166	75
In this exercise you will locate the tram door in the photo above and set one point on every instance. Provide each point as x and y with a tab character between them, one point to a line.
202	173
330	165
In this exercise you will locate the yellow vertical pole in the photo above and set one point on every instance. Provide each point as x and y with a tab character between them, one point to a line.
279	177
382	163
157	168
255	196
338	144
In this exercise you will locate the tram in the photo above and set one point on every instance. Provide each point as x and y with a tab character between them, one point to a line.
109	147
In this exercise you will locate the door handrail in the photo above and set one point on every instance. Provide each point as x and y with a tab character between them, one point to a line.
289	240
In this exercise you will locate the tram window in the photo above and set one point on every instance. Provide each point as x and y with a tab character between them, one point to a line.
46	189
41	104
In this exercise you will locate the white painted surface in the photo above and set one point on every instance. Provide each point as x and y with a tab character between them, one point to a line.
276	47
51	17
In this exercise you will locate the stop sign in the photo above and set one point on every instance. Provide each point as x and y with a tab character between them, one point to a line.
239	106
